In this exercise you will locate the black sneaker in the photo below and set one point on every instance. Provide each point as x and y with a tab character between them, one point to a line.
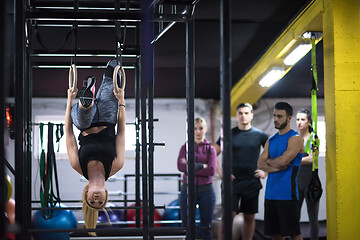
110	68
86	96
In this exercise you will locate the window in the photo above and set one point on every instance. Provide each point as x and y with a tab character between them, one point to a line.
130	138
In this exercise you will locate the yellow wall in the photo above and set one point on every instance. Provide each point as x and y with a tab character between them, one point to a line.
341	30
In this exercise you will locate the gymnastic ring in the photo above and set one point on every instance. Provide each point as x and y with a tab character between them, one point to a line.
123	77
9	187
73	78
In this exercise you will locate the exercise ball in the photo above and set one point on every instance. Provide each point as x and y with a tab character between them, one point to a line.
10	210
61	219
131	217
236	227
174	214
8	188
111	217
9	235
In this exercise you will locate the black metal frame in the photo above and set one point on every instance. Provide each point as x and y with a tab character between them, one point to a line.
225	83
140	17
190	98
3	48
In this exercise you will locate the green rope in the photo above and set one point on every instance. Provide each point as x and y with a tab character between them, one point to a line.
315	141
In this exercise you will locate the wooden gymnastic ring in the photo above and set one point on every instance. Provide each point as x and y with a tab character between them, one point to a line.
123	77
73	77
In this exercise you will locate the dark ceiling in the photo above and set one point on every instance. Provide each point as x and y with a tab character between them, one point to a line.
255	25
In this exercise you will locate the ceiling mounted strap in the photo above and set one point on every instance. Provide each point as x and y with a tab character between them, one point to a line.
316	142
120	37
73	69
74	44
314	191
75	34
119	80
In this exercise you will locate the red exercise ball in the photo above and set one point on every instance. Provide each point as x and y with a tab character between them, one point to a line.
10	210
131	217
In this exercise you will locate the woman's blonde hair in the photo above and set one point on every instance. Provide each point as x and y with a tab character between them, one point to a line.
90	213
200	120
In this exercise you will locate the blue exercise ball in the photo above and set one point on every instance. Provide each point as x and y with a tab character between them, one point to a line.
112	218
61	219
174	214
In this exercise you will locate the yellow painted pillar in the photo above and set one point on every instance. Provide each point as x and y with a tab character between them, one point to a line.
341	30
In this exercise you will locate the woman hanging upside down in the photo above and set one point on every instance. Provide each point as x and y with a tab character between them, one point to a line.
101	152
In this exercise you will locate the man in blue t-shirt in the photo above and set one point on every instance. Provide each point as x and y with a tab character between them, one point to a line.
281	158
246	145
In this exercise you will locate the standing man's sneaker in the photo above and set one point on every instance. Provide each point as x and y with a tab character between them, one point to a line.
86	95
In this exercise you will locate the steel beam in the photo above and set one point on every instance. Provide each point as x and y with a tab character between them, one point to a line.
190	97
225	87
95	16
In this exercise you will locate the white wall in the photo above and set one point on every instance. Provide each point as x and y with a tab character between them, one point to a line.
170	129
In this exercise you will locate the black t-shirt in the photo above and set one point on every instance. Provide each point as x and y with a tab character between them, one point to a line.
246	145
98	146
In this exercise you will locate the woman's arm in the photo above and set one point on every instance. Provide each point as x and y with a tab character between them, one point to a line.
308	159
118	162
209	168
71	144
181	161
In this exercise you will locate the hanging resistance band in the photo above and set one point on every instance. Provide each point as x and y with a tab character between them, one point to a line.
47	166
51	157
316	142
44	186
59	134
314	189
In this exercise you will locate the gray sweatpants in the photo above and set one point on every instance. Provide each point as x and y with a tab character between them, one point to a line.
105	107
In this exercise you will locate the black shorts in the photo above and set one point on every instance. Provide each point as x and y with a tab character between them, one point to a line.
282	217
247	205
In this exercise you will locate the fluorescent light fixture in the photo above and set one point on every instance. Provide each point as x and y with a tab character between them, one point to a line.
271	77
299	52
306	35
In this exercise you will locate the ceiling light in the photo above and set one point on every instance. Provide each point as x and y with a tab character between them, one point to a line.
299	52
271	77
